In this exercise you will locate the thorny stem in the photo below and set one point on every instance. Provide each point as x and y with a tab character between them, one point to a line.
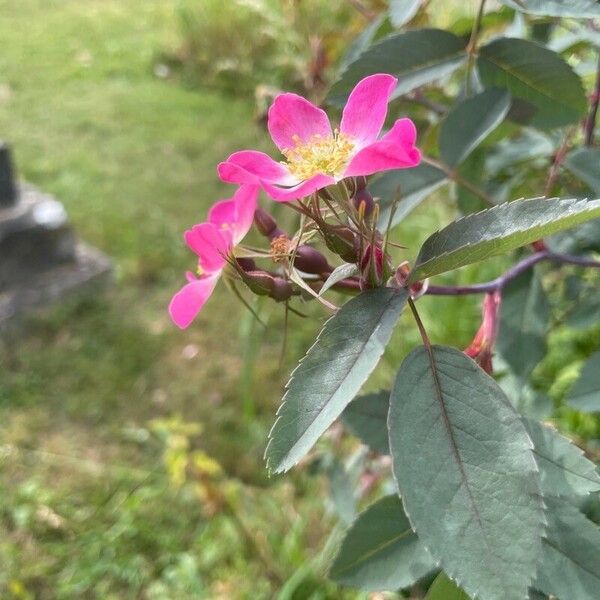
590	122
454	176
498	283
472	46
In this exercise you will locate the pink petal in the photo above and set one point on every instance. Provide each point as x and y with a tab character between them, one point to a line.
245	204
301	190
366	109
210	243
222	214
291	115
250	166
395	150
188	301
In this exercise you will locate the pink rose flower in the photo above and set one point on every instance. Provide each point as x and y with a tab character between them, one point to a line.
317	156
228	222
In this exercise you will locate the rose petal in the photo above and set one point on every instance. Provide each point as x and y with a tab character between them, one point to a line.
366	109
188	301
395	150
223	213
291	115
251	167
301	190
245	204
211	244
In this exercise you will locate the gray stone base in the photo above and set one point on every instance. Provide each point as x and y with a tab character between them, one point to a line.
89	269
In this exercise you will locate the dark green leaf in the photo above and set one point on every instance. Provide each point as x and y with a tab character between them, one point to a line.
443	588
469	123
380	550
587	312
583	9
564	469
585	164
402	11
524	319
499	230
466	472
363	41
570	564
534	75
412	185
585	394
366	418
333	371
342	486
528	145
415	57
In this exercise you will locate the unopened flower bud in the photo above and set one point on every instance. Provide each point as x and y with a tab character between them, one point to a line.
282	289
310	260
363	198
342	241
374	267
246	264
482	347
260	283
266	224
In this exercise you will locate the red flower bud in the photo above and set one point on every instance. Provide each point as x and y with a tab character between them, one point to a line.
266	224
482	346
310	260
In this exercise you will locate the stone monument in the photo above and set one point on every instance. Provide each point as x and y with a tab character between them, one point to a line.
41	259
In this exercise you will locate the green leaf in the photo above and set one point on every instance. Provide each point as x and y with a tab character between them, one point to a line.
366	418
564	469
415	57
469	123
583	9
340	273
381	551
402	11
529	144
535	75
585	394
524	320
466	472
443	588
412	185
585	164
570	564
333	371
363	41
498	230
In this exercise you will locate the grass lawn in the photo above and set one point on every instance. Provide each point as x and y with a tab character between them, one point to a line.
96	400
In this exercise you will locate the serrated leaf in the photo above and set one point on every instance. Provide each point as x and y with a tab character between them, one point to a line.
465	469
585	394
570	563
402	11
524	321
344	271
584	163
412	185
564	469
443	588
366	418
381	551
582	9
535	75
498	230
469	123
415	57
333	371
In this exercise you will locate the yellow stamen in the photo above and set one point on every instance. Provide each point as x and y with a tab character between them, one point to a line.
200	270
329	156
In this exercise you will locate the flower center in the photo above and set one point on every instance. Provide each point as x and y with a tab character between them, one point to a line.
328	155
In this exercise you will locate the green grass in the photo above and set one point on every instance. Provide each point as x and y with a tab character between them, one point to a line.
87	506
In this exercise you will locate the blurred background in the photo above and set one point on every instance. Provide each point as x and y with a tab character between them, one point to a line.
131	452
